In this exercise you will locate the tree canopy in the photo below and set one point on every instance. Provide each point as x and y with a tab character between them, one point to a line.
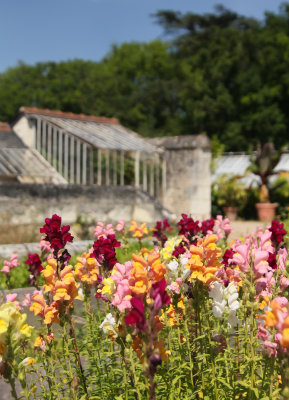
220	73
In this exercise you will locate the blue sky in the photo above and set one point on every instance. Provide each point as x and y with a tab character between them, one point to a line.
44	30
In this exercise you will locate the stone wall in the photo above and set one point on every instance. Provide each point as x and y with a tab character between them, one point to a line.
32	203
188	180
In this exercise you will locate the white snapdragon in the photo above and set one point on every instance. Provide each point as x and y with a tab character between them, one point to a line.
173	266
108	324
186	272
217	294
231	294
225	298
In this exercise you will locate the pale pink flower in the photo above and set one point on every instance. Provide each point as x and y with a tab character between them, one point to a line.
265	284
271	348
11	297
103	231
27	301
175	286
282	301
120	225
241	257
282	257
122	297
265	242
284	283
9	265
44	245
98	231
261	265
121	271
263	333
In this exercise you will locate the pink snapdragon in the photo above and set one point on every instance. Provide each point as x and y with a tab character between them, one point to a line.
27	301
103	231
223	227
265	285
241	257
265	242
44	245
122	296
120	225
12	298
121	276
9	265
176	286
282	257
261	265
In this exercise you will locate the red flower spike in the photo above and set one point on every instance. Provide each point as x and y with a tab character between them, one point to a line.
104	251
160	228
278	233
56	235
159	295
188	227
136	315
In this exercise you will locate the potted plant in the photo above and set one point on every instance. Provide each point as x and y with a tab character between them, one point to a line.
229	194
262	164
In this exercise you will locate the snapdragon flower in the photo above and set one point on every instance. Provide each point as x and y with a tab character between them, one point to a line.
225	298
108	324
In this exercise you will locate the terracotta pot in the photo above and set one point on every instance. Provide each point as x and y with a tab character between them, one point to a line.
266	211
231	213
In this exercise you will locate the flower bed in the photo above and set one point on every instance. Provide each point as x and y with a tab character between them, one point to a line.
191	317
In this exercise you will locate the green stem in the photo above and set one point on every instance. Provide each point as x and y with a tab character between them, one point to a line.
11	381
78	359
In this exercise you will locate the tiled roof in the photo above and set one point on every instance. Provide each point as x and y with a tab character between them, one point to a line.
5	127
68	115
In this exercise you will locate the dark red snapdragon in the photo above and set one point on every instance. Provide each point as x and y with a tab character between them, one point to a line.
188	227
136	316
159	231
104	251
227	256
55	234
278	233
207	226
159	295
180	249
35	268
272	260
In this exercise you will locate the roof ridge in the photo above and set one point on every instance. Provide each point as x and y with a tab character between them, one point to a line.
5	127
68	115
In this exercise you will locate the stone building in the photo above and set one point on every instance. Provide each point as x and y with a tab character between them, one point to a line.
111	170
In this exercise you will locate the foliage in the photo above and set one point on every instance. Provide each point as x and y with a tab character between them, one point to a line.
219	73
228	192
279	193
262	165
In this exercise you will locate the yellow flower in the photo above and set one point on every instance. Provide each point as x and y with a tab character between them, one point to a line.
26	330
27	362
166	252
108	288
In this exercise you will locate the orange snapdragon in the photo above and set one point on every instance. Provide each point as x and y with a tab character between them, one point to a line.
49	313
147	270
204	261
138	231
87	270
